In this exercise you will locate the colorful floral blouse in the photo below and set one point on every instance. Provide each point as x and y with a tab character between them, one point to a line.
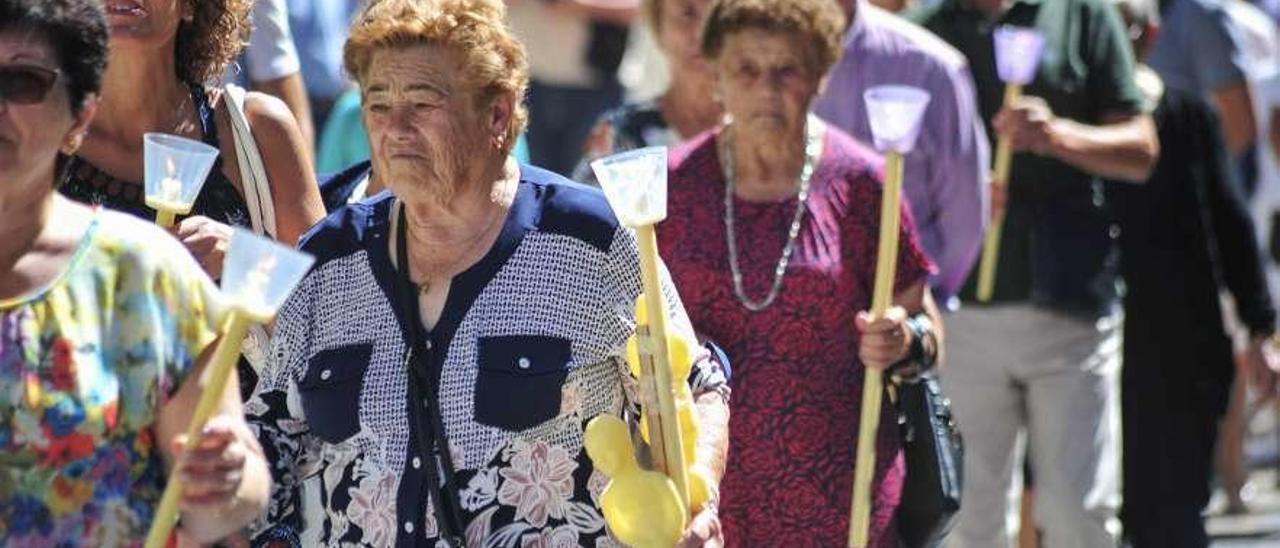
84	364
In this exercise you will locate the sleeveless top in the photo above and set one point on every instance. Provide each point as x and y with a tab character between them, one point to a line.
218	200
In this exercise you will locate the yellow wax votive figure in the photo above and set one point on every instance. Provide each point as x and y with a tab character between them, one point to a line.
894	113
258	276
643	508
1017	56
649	509
175	170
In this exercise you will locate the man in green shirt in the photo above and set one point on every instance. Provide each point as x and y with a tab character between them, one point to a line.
1042	360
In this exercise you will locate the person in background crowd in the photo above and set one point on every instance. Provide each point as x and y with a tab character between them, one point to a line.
162	53
436	369
771	235
106	324
319	28
1182	228
1044	357
1260	56
946	174
274	67
684	110
1200	50
575	49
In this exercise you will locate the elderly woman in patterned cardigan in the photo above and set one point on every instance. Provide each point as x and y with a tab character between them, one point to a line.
438	366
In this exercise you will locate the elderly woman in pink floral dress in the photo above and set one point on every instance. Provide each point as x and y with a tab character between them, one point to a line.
771	237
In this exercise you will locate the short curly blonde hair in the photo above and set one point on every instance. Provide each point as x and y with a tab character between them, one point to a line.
493	60
214	36
819	23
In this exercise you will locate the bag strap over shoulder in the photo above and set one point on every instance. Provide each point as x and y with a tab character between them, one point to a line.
257	196
253	173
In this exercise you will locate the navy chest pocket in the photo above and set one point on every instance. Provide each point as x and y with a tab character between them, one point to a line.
520	379
331	391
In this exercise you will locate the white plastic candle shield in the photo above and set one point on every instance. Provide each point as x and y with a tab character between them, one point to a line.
258	274
894	113
1018	52
635	183
176	168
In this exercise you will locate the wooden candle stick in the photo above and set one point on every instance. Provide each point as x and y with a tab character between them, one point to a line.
873	384
1000	175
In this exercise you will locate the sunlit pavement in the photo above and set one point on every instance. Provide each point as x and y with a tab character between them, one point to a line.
1260	527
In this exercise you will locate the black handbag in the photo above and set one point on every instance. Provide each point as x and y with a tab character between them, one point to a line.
934	455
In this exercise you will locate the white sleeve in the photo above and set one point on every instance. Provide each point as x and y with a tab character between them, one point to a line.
271	53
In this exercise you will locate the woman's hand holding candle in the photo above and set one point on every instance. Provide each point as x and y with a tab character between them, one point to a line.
885	341
207	240
213	471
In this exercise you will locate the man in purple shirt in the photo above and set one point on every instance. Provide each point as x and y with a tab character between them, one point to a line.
947	173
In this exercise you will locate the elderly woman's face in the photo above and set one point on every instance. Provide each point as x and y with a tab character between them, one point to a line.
425	133
144	22
35	116
765	81
678	30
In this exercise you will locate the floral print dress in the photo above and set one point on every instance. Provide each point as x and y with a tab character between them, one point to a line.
797	379
85	363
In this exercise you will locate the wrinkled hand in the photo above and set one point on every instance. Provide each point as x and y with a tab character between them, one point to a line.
212	471
1028	125
704	530
207	240
885	341
1262	362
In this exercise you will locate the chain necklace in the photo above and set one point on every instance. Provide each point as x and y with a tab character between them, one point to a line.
812	150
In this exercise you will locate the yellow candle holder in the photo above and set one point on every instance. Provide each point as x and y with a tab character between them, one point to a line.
258	275
635	183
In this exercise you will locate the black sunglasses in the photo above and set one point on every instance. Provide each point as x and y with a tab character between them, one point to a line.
26	84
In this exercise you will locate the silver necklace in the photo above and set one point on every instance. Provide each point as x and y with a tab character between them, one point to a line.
812	150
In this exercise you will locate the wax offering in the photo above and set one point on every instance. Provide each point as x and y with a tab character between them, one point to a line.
1018	52
894	113
176	168
640	513
258	274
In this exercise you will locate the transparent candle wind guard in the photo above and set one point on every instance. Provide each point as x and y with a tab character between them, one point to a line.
176	168
894	113
635	183
259	273
1018	52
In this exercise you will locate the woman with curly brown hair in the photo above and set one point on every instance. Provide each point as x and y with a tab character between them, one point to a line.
163	55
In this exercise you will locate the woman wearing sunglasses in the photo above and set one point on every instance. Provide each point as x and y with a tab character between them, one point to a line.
105	324
163	54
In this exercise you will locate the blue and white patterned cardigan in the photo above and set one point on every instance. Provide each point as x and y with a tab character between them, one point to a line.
530	344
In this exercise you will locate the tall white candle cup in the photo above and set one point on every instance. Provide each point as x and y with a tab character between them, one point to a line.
894	113
1018	51
635	183
176	168
258	274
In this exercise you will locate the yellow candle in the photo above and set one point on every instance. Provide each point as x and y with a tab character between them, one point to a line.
219	370
1000	172
873	385
168	202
